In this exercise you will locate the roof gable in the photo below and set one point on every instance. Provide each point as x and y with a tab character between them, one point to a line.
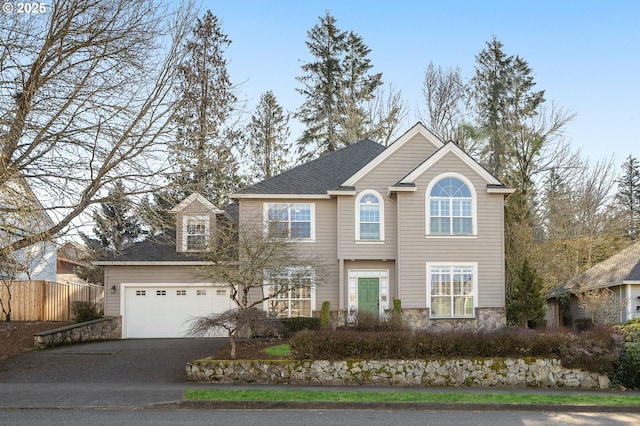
318	176
450	148
195	197
418	129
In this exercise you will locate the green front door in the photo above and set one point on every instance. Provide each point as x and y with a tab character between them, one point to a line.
368	295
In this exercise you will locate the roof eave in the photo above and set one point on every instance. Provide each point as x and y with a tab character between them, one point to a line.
280	196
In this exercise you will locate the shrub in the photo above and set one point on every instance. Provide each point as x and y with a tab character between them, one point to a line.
628	367
595	350
630	330
367	321
296	324
325	315
86	311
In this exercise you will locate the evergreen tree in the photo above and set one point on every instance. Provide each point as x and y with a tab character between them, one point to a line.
203	153
504	101
521	141
357	88
629	195
116	223
336	84
267	133
525	306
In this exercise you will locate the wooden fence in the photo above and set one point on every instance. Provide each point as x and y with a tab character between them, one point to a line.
47	301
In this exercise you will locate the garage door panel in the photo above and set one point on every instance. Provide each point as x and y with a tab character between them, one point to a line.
169	311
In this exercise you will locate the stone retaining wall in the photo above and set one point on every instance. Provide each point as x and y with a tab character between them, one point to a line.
100	329
451	373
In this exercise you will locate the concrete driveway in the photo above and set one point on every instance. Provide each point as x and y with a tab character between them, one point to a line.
141	361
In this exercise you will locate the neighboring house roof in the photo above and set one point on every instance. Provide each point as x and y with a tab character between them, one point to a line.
316	177
621	268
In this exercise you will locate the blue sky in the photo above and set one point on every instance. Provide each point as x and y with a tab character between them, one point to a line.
585	54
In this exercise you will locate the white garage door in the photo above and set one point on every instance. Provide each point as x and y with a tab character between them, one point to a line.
167	311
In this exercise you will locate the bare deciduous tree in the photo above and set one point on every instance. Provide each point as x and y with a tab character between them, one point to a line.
86	97
237	322
601	305
444	94
257	267
386	111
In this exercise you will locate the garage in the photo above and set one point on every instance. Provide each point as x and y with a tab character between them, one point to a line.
156	311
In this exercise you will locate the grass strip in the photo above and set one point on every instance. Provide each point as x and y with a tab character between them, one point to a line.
381	396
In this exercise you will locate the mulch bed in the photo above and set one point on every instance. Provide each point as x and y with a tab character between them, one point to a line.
253	349
17	336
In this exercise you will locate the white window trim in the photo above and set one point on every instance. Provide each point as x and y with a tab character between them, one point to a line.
207	231
267	284
357	217
474	292
265	221
474	207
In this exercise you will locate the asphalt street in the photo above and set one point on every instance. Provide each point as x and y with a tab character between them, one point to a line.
150	373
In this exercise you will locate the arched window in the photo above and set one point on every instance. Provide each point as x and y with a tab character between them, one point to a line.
369	217
450	207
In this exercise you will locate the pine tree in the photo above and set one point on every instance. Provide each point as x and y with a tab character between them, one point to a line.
628	195
266	138
116	223
525	306
357	88
336	84
504	101
203	153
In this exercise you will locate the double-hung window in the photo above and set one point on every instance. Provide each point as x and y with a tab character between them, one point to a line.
294	221
290	293
369	217
195	233
451	207
452	290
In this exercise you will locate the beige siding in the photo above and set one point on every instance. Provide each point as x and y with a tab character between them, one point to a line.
194	209
160	274
322	251
386	174
416	250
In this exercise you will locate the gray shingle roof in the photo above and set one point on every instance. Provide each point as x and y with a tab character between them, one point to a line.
162	247
623	266
159	248
320	175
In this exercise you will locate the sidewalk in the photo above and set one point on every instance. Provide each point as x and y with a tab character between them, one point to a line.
170	396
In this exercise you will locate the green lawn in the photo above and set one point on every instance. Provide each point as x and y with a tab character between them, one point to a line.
379	396
279	350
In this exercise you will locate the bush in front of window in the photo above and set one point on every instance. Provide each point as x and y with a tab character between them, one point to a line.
296	324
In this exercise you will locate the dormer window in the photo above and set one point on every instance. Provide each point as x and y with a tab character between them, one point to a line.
195	233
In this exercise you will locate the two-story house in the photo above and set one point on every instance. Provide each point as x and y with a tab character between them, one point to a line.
418	221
